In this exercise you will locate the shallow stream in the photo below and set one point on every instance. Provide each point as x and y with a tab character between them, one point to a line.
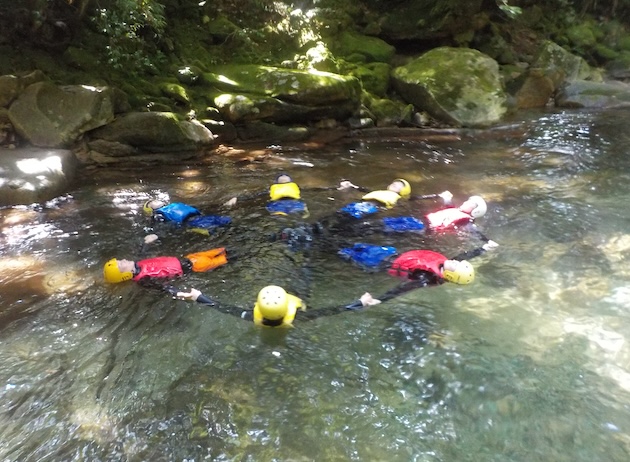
531	362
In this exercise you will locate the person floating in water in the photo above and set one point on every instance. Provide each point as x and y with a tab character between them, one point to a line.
449	218
457	217
275	307
374	201
155	272
184	214
422	268
352	217
284	198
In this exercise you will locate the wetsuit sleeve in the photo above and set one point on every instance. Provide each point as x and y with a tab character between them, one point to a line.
469	254
356	305
315	313
158	284
204	300
408	286
420	280
145	248
362	189
243	313
475	231
152	283
424	197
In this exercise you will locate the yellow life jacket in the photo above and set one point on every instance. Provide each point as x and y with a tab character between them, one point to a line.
284	191
385	197
295	303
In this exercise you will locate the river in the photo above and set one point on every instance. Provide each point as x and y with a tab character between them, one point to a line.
530	362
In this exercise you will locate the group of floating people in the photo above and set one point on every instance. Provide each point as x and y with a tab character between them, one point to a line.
274	306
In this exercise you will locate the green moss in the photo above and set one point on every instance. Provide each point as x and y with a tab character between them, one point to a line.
373	48
624	43
175	92
221	27
374	77
605	53
581	35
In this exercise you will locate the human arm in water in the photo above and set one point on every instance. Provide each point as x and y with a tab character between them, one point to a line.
193	294
422	278
446	197
146	243
301	315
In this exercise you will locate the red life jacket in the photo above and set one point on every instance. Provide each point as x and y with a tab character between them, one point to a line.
160	267
417	260
448	218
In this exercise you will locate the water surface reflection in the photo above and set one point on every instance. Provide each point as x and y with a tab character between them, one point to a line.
531	362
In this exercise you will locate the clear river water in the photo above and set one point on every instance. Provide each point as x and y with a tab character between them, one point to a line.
530	362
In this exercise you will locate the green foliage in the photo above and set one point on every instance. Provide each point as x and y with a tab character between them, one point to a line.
133	28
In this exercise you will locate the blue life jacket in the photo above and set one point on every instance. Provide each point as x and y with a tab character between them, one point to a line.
176	211
360	209
402	224
286	206
367	254
209	221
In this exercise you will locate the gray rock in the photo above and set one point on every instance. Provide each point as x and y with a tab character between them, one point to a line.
155	132
47	115
33	175
459	86
559	65
581	93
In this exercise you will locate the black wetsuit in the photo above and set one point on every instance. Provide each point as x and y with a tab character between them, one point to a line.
162	284
419	279
306	315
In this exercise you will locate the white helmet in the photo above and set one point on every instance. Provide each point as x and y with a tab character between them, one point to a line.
479	206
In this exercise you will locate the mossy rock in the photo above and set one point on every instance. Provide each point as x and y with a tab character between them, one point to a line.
80	58
175	92
374	77
459	86
582	36
292	85
388	112
560	65
189	75
605	53
221	27
373	48
624	43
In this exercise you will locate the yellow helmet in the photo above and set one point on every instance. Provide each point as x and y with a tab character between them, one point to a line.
406	189
464	273
151	205
112	273
273	302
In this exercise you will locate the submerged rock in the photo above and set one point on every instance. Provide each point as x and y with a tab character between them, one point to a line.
33	175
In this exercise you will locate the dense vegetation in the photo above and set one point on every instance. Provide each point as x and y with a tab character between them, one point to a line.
124	41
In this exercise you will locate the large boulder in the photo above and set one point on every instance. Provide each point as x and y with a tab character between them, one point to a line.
33	175
239	108
559	65
12	85
251	92
552	68
459	86
536	90
47	115
371	48
137	133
